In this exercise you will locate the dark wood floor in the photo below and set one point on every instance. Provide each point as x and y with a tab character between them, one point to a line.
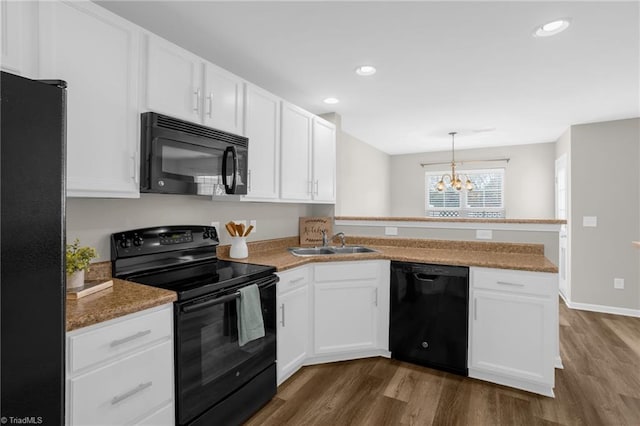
600	385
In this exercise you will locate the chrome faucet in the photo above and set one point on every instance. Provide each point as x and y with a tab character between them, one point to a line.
325	242
341	235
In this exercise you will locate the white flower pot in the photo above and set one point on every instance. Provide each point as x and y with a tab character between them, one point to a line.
76	279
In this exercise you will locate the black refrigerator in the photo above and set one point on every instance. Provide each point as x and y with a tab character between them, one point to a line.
32	250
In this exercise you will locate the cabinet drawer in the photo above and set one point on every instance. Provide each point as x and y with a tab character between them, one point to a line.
121	392
164	416
525	282
292	279
100	344
346	271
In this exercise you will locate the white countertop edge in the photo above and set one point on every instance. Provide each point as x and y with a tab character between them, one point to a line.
533	227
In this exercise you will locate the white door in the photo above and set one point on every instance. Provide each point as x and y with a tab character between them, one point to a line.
293	329
262	127
223	100
96	53
324	161
295	166
562	207
345	316
173	81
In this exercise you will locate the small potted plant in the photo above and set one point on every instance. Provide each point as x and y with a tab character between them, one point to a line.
78	259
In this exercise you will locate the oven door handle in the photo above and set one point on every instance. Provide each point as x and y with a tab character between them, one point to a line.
262	284
210	302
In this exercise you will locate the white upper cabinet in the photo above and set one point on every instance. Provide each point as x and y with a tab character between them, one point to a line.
173	80
96	53
324	161
295	176
308	152
262	127
223	100
183	85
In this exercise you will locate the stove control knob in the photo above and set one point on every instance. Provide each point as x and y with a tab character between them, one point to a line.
125	243
137	240
205	235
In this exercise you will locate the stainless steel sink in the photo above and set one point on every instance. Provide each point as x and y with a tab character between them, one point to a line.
323	251
352	249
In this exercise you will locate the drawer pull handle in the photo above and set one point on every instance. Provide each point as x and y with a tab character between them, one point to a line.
297	280
130	338
128	394
511	284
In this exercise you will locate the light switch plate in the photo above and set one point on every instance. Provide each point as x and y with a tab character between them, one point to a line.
618	283
390	230
484	234
217	226
255	226
590	221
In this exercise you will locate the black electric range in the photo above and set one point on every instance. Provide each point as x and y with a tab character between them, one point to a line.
217	380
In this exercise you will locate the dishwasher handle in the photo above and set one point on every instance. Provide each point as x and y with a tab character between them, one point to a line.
421	276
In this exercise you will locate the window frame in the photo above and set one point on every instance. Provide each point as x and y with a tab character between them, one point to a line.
464	211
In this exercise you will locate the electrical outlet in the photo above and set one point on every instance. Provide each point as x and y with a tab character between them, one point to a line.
618	283
590	221
217	226
484	234
390	230
255	226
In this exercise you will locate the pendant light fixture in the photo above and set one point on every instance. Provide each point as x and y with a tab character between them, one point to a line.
454	179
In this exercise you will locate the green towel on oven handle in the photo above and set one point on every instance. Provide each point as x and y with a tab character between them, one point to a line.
250	324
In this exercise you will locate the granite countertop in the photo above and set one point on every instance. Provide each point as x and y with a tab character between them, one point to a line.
122	299
526	257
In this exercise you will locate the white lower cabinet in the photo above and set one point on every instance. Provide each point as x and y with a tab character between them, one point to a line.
121	371
513	328
293	321
332	311
351	307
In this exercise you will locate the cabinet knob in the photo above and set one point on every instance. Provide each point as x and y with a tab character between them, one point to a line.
425	345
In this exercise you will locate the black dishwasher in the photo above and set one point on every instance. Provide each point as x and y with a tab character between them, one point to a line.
429	315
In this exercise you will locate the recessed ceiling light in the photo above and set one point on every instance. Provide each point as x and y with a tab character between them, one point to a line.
331	101
552	28
366	70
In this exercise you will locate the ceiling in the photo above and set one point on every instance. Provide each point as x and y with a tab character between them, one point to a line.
442	66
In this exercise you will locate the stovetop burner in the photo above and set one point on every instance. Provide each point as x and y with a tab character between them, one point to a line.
178	258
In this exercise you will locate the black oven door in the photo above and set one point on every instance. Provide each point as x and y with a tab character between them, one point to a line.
183	168
210	364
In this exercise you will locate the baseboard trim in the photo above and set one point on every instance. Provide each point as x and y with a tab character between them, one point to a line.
604	309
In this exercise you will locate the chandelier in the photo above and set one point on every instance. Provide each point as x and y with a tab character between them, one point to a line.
454	179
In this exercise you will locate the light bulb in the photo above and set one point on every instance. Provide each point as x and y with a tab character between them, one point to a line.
469	185
440	186
458	184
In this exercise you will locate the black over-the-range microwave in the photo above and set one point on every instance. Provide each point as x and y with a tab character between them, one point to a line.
179	157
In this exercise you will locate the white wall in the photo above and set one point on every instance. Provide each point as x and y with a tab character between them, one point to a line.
363	176
605	176
529	179
94	220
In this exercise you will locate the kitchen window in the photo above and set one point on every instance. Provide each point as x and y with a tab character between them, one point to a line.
486	200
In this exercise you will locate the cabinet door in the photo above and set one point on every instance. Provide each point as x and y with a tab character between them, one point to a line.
295	176
10	34
223	100
293	323
512	335
345	316
173	81
96	53
262	127
324	161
